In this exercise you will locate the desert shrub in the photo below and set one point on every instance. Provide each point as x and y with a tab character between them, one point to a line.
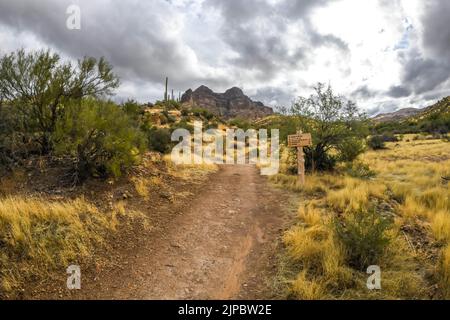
100	137
133	109
200	112
40	86
169	117
376	142
159	140
349	149
364	237
168	105
359	170
163	119
185	112
240	123
389	137
15	142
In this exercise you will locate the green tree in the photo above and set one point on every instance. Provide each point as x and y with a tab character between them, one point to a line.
335	124
39	85
99	137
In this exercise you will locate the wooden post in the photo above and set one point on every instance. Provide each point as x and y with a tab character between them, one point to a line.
301	162
299	141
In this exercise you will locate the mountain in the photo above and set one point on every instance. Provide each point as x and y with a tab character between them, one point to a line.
434	119
438	110
233	103
397	115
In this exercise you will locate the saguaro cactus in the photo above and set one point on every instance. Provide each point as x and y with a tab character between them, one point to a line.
165	92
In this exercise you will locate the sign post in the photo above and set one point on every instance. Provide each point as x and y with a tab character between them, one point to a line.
299	141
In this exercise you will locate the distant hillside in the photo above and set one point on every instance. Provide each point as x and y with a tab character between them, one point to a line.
233	103
397	115
433	119
440	109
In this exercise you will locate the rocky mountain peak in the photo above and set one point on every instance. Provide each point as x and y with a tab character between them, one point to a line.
234	92
233	103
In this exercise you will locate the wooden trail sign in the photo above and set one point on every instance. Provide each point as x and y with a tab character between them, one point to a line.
299	141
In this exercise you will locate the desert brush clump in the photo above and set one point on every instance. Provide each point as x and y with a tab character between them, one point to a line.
364	236
100	138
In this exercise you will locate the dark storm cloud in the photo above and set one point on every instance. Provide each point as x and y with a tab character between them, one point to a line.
260	45
274	96
363	92
132	35
436	35
427	69
420	74
398	92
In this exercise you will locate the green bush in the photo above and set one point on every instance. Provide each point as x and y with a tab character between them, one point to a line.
100	137
200	112
169	117
364	237
240	123
159	140
133	109
349	149
376	142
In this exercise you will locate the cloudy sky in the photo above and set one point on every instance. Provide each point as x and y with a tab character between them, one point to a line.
385	54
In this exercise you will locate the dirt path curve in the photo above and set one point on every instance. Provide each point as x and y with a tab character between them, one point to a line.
221	246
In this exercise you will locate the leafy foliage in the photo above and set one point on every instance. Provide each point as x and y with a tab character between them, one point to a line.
376	142
364	236
159	140
334	123
39	86
100	138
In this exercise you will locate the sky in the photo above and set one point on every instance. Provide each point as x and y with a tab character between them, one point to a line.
383	54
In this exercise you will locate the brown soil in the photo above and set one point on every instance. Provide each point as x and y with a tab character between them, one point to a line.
217	243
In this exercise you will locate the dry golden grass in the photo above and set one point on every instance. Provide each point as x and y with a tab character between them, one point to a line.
445	271
440	224
305	289
409	179
355	194
39	235
142	187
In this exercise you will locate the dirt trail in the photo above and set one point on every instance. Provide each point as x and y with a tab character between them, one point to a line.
220	246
